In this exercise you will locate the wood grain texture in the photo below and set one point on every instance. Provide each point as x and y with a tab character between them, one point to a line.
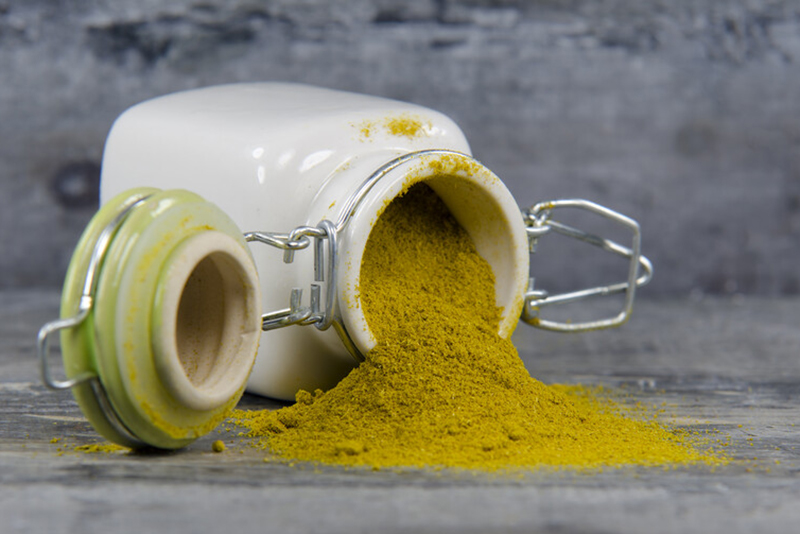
713	364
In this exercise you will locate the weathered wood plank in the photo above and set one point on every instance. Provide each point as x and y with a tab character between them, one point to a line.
713	365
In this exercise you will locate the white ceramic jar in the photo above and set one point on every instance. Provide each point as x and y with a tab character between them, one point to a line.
220	205
275	157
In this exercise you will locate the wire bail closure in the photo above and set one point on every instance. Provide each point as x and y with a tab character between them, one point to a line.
85	307
324	271
539	222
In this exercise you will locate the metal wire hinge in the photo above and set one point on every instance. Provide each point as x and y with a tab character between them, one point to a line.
85	308
539	222
85	304
324	271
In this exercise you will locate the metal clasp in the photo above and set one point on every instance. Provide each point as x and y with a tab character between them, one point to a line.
539	222
324	271
85	308
85	304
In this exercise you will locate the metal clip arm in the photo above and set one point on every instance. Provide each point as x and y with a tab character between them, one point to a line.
324	271
539	222
85	303
43	352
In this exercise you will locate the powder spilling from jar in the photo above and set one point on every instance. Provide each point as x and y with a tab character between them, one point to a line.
442	388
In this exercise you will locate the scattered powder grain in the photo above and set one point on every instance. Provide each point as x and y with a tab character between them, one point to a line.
442	388
101	447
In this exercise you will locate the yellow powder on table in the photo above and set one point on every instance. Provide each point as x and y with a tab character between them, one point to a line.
442	388
101	447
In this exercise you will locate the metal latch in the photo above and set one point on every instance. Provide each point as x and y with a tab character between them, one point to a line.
324	271
539	222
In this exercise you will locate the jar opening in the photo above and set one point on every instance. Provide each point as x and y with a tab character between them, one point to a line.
200	329
480	203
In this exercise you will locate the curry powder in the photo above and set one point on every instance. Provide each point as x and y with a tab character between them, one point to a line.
442	388
403	125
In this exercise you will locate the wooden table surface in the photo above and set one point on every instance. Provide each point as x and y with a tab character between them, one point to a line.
732	365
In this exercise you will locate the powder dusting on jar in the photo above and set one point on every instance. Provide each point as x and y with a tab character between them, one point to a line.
442	388
403	125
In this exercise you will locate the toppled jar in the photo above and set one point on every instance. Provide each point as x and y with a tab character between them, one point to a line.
233	225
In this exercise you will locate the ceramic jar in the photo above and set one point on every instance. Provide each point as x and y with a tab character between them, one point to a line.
274	157
221	206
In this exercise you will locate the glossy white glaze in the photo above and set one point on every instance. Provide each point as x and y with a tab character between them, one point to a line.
278	156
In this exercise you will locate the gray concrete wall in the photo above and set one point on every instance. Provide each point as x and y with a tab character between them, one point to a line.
684	114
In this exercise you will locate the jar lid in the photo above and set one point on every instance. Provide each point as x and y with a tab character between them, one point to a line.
162	318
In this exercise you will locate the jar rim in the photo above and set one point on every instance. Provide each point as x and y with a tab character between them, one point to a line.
478	200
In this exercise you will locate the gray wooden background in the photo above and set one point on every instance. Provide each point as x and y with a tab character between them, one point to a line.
684	114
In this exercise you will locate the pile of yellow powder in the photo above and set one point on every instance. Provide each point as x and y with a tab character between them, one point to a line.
442	388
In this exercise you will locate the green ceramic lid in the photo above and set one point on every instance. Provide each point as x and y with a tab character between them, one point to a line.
175	324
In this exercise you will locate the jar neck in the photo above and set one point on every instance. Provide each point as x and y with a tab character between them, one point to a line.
356	197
